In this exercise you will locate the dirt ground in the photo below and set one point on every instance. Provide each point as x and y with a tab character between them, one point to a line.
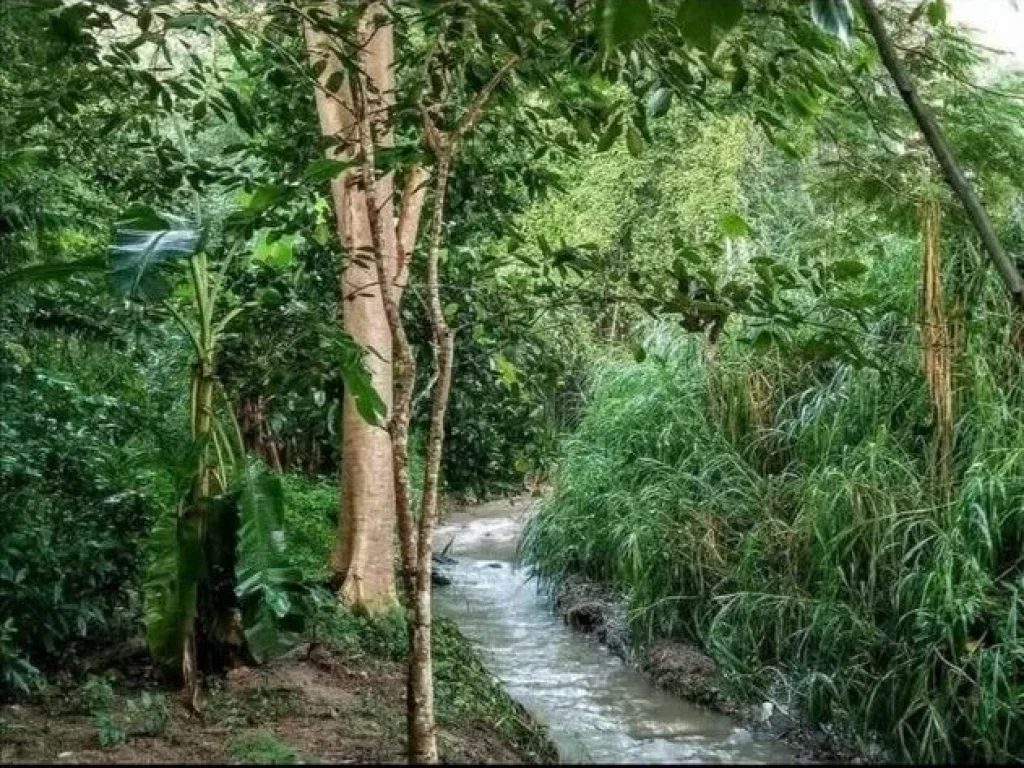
314	705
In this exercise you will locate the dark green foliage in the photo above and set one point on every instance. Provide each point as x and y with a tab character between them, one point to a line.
80	492
784	517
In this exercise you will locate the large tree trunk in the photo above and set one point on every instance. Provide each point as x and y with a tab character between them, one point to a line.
362	558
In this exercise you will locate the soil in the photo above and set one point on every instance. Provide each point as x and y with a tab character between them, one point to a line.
686	671
317	704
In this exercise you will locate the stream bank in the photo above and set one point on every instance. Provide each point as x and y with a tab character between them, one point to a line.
337	698
596	708
687	672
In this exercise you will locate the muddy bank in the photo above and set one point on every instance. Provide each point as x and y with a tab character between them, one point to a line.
687	672
320	703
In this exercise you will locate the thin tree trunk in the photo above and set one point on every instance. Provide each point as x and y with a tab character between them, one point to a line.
943	152
936	348
421	725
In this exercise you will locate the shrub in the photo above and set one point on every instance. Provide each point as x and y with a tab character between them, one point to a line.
786	517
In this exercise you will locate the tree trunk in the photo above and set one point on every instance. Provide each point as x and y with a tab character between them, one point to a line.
363	553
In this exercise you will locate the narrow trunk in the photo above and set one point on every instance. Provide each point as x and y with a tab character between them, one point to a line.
422	729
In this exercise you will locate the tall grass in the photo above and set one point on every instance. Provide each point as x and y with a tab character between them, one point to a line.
786	518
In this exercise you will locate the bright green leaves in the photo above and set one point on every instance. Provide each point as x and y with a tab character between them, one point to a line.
359	381
146	245
705	23
506	369
835	16
937	12
624	21
733	225
275	249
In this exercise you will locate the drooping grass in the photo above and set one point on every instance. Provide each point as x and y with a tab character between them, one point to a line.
787	519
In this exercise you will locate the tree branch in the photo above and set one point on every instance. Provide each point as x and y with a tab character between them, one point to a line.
943	153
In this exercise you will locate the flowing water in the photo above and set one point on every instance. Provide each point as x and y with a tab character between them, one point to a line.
596	708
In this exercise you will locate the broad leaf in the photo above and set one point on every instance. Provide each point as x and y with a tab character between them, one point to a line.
145	244
659	101
704	23
625	21
52	271
733	225
266	584
359	382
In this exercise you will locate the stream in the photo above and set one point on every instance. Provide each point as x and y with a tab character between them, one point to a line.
597	709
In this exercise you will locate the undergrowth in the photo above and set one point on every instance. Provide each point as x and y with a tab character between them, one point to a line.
787	519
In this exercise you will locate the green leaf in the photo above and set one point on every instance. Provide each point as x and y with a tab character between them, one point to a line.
170	588
611	133
659	101
241	112
279	252
359	381
625	21
265	583
846	269
52	271
937	12
194	21
145	244
704	23
733	225
326	169
740	78
634	141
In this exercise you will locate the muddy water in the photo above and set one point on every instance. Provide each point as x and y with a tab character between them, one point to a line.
596	708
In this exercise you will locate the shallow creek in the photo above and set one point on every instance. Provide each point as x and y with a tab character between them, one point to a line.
596	708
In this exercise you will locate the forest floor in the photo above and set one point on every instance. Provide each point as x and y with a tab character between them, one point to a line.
322	703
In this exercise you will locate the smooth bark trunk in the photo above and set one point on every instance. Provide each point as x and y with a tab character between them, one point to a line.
362	557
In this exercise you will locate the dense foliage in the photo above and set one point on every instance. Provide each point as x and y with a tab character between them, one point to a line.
704	239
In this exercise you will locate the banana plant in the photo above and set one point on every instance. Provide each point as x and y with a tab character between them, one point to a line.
219	585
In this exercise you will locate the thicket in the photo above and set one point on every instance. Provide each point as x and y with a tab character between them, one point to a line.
840	528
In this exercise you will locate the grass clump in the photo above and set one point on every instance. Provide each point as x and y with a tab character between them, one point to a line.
261	748
788	519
